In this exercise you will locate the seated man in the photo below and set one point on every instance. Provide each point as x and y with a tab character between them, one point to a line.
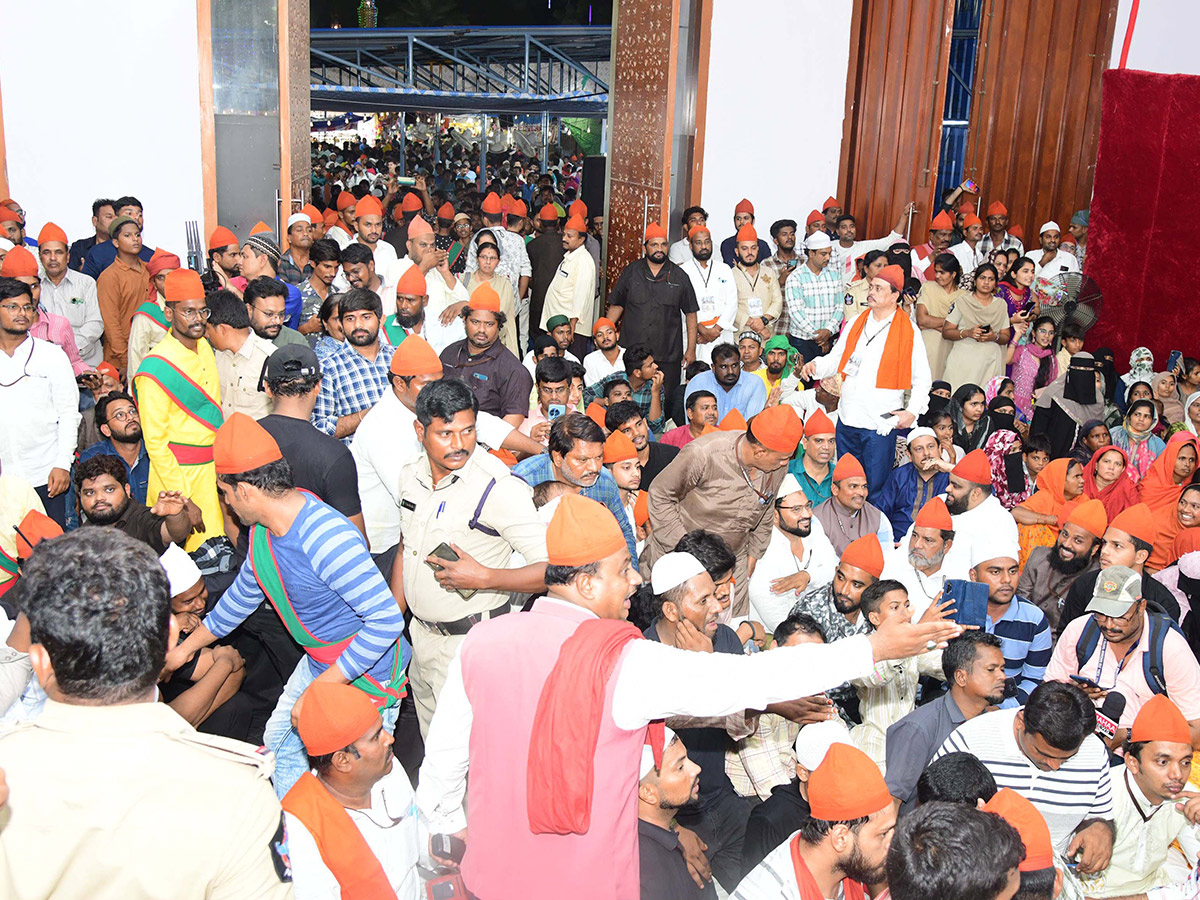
621	460
1050	571
543	346
552	382
653	455
701	413
733	388
978	516
813	466
846	515
616	390
104	499
922	569
351	820
913	484
955	778
645	381
1122	647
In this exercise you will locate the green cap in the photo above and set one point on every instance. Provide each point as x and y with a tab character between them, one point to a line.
555	321
114	227
1117	589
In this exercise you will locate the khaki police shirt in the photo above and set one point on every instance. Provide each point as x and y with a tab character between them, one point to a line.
129	802
430	515
240	372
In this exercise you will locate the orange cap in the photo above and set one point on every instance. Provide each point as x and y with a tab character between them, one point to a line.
221	237
415	356
35	528
576	224
485	297
578	207
733	421
602	322
582	531
184	284
1017	231
942	222
334	716
967	209
1030	825
7	215
1160	720
934	514
519	209
412	283
848	466
548	213
641	508
618	447
161	260
446	210
241	443
747	233
107	368
866	554
813	217
846	785
51	233
368	206
971	219
654	230
491	204
314	214
19	263
329	217
1091	517
1067	238
893	275
996	208
819	423
744	206
974	467
595	412
778	428
412	202
506	202
830	202
260	227
419	226
345	200
699	228
1136	521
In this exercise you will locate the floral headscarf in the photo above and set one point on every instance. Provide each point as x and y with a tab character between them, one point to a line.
993	388
998	446
1141	367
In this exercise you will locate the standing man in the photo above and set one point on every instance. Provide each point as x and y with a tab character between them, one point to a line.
912	485
343	229
224	260
70	294
102	215
921	568
266	304
1078	229
260	258
969	251
998	236
760	296
848	248
814	295
653	292
240	355
149	324
546	252
715	290
941	232
121	288
1052	260
813	467
368	228
497	379
681	250
831	211
355	375
295	267
101	256
179	396
783	263
412	316
572	291
876	375
743	215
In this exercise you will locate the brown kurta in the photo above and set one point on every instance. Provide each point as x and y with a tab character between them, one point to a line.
120	290
764	287
704	487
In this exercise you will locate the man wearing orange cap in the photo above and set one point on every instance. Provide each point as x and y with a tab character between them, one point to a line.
21	265
342	230
847	515
501	730
716	293
725	484
311	564
368	231
813	466
497	379
998	237
681	250
609	356
70	294
743	215
1041	879
404	213
970	252
102	214
121	288
621	460
514	258
572	292
315	220
941	232
759	293
224	260
1049	572
17	500
921	566
412	303
978	516
149	324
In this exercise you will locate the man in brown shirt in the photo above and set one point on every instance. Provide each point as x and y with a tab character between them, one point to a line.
121	289
726	483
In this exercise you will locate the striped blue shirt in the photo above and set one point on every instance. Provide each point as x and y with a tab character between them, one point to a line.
335	589
1027	644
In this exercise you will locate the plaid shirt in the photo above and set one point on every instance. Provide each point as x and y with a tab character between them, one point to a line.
814	301
782	270
1009	243
642	397
765	759
818	603
350	383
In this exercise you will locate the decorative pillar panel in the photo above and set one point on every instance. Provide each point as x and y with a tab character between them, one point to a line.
294	74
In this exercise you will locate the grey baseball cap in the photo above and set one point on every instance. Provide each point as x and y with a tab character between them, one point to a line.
1117	589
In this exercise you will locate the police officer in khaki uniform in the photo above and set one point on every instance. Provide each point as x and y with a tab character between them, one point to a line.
113	795
457	496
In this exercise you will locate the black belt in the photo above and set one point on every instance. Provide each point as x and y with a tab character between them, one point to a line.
466	623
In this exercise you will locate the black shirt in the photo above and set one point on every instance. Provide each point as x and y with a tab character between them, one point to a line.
139	523
79	251
320	463
1080	595
660	457
497	379
652	306
772	822
664	872
545	256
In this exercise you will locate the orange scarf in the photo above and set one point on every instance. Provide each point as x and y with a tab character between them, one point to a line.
344	850
1050	496
895	369
851	890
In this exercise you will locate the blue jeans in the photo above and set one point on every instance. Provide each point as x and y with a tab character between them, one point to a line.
877	453
283	740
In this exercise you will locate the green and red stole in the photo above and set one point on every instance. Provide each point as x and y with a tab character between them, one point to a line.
10	571
189	397
394	331
154	313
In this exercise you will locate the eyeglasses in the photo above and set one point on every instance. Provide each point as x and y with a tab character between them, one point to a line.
795	508
270	316
13	309
123	415
1047	332
192	315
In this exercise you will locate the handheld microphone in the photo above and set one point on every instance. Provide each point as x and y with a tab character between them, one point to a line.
1108	715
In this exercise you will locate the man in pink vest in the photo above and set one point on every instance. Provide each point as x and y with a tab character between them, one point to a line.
548	711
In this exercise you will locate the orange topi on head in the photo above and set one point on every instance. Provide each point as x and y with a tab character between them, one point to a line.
368	206
747	233
162	260
7	215
846	785
699	228
866	553
183	284
1017	231
942	222
107	368
576	224
314	214
260	227
996	208
641	509
412	283
485	297
418	226
848	467
1136	521
334	716
345	200
1067	239
491	204
596	412
19	263
966	209
548	213
819	423
50	234
578	208
1160	720
831	203
744	206
603	322
411	202
446	210
654	230
519	209
1030	825
814	217
974	467
971	219
415	356
733	421
893	275
35	528
934	514
582	531
778	428
221	237
506	203
242	444
329	217
1091	517
618	448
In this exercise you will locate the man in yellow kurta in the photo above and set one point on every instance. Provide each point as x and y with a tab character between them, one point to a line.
179	398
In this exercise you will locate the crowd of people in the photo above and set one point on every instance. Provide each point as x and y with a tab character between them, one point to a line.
396	555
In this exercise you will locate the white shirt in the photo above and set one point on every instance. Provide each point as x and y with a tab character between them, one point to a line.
385	268
969	259
922	588
805	402
863	405
680	252
339	236
702	684
717	296
841	260
819	561
440	297
383	444
774	878
1062	261
596	366
74	298
39	406
572	290
391	829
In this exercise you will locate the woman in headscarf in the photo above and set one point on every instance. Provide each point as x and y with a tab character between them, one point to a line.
1037	518
1034	365
999	387
942	423
979	330
1077	392
1141	368
1165	398
1002	414
934	302
1104	480
939	395
1182	579
1173	523
1168	474
968	410
1191	412
1003	451
1137	438
1093	435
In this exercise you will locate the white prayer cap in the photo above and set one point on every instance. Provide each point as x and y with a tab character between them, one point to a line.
789	485
818	240
815	739
298	217
673	570
648	753
6	244
182	572
920	433
1049	226
997	547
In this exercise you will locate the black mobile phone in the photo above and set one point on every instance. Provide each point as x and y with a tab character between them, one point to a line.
447	846
442	551
1080	679
985	328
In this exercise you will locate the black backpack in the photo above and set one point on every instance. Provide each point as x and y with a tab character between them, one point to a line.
1152	661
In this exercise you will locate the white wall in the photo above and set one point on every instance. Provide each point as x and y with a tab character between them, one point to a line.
1164	36
766	56
101	100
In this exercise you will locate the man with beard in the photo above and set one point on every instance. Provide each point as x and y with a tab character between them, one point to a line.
979	519
118	420
941	232
260	258
847	516
368	229
849	248
701	407
743	215
759	293
843	848
779	355
104	499
447	293
266	304
608	358
812	468
499	382
654	456
1052	260
913	484
295	267
412	301
716	293
572	292
342	230
733	388
922	570
998	236
359	270
783	263
1049	572
355	375
798	559
974	668
224	260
